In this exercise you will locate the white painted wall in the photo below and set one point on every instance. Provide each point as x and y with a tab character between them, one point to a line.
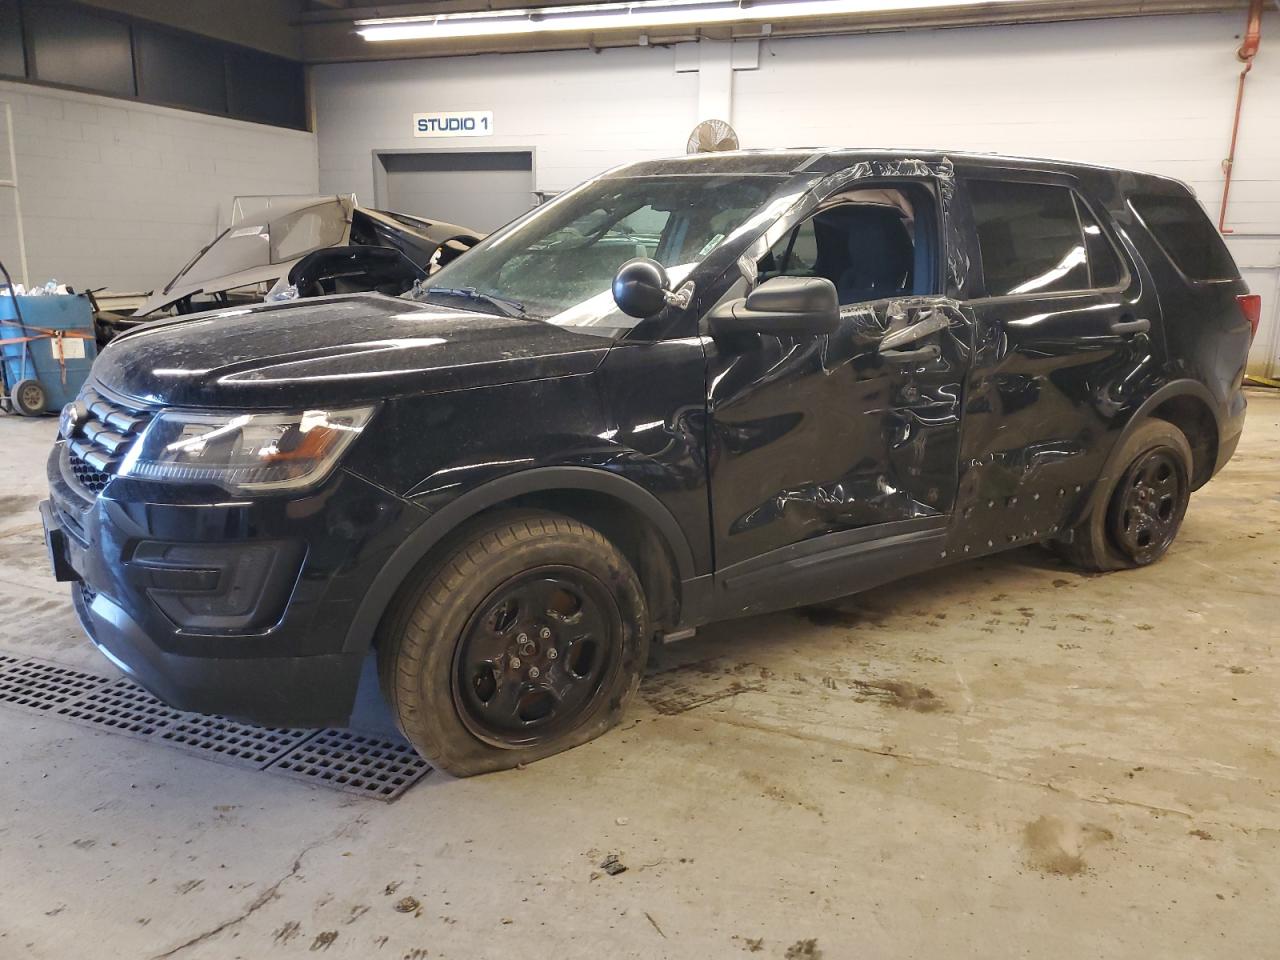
121	194
581	112
1151	93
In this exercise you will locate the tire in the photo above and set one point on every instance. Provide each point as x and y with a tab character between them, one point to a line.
29	398
525	636
1145	504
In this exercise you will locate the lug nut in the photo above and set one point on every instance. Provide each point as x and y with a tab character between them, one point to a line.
534	673
515	663
522	638
544	633
552	653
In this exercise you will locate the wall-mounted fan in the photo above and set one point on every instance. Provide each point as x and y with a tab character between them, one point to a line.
712	136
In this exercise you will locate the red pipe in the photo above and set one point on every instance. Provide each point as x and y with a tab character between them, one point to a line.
1248	50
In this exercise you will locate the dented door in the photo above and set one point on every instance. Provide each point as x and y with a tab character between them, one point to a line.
816	436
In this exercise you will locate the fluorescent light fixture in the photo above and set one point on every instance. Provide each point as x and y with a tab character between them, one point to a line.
640	15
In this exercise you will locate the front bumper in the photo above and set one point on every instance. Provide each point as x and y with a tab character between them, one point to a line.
233	608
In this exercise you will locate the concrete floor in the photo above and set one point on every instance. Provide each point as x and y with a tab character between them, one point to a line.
1002	759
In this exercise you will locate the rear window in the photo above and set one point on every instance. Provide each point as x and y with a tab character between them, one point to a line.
1187	237
1029	236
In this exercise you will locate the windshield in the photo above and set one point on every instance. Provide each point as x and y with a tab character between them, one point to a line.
558	264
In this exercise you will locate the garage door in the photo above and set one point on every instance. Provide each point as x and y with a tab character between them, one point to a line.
480	190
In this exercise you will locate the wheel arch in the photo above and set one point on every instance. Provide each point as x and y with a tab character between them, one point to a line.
630	516
1189	406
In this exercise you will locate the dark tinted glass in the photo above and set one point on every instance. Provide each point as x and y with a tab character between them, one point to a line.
266	89
80	48
1104	266
13	61
1029	237
1184	232
181	70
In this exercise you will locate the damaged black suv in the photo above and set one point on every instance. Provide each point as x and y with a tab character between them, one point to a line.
685	391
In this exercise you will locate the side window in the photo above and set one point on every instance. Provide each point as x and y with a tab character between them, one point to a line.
867	249
1187	236
794	255
1104	265
1029	236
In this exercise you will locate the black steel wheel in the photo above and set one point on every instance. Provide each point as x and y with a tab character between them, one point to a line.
1148	505
524	636
535	656
1133	518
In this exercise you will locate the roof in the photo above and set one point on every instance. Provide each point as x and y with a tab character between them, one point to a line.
820	160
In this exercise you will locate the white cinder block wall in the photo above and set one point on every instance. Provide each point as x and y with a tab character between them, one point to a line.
1152	93
121	194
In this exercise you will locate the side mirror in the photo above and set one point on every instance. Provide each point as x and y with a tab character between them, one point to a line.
781	307
641	288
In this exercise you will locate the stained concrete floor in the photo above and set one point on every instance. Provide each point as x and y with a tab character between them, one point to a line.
1001	759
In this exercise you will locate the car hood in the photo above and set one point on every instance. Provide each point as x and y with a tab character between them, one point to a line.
334	351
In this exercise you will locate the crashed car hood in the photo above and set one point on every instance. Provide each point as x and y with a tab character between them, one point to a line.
335	351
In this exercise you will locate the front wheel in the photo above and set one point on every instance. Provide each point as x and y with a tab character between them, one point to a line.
524	638
1145	505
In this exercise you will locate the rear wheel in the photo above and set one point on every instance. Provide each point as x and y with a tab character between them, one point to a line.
1145	505
525	638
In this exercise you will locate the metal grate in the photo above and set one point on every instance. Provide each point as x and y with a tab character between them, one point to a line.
340	759
43	686
356	763
229	740
124	706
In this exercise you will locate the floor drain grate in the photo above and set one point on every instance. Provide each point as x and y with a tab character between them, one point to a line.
124	706
43	686
229	740
340	759
355	762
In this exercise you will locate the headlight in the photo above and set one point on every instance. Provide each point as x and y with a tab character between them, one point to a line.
244	452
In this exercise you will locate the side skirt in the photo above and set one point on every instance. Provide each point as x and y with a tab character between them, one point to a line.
823	568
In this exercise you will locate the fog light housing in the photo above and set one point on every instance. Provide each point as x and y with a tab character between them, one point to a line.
218	587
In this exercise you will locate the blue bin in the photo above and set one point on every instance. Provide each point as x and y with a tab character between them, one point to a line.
38	359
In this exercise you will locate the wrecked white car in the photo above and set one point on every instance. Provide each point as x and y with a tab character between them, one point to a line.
302	247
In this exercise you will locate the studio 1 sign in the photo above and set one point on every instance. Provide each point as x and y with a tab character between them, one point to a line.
460	123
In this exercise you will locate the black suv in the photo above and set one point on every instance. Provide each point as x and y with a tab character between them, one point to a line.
687	390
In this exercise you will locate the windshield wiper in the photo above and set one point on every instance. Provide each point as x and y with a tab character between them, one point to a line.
508	307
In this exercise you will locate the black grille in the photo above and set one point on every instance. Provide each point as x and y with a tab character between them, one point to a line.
97	440
88	478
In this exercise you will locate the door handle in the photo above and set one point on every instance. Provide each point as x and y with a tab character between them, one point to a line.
926	325
1141	325
924	354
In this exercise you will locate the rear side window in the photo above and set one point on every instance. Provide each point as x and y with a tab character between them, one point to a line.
1186	236
1030	238
1104	266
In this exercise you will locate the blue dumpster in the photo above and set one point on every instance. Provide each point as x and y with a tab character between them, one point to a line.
52	344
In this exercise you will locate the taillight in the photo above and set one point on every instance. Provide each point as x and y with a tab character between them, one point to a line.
1251	307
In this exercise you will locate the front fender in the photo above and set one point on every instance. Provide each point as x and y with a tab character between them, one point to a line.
502	490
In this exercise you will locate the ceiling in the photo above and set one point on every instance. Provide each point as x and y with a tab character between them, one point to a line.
322	31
